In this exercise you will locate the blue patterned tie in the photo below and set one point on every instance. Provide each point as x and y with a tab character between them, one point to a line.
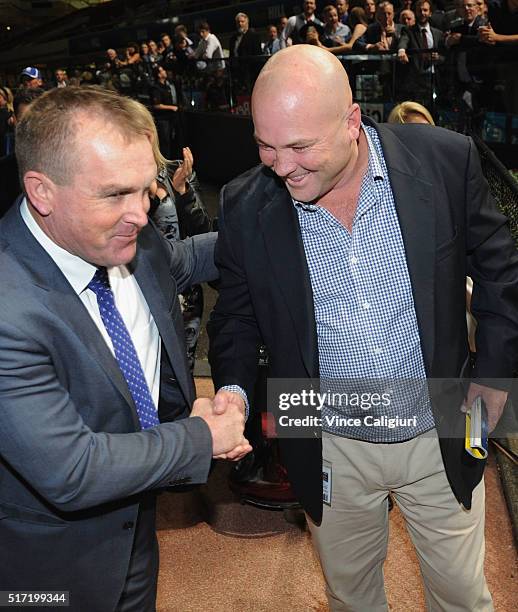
124	348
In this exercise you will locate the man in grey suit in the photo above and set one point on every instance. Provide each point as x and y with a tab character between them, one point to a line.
94	382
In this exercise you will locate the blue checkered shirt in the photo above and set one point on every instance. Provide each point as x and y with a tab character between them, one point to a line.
364	309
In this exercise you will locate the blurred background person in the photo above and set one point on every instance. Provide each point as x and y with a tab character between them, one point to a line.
291	33
31	78
61	77
191	39
147	64
335	32
273	42
165	97
358	25
155	57
10	187
244	42
6	121
404	5
209	51
369	6
183	52
283	20
168	55
342	6
244	45
384	34
407	18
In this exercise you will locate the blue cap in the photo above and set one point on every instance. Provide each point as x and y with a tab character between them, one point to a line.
31	72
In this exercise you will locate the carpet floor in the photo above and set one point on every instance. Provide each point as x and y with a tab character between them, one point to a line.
217	555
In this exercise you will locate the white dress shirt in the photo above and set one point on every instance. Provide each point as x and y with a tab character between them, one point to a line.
210	48
429	36
128	298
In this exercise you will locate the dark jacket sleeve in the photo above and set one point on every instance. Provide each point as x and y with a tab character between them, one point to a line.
232	329
192	214
493	266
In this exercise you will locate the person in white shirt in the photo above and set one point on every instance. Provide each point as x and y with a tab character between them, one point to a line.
273	44
209	48
61	78
290	34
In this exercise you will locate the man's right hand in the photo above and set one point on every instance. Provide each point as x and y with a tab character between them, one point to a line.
452	39
226	428
402	56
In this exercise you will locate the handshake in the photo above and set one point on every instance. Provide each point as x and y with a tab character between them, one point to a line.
225	417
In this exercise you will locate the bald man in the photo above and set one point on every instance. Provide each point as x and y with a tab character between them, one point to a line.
346	254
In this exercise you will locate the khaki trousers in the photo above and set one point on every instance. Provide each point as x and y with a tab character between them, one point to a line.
352	539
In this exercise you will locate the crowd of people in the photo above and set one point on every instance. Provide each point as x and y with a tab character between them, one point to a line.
461	37
437	51
459	54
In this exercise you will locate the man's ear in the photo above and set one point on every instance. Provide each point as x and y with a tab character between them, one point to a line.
40	190
354	121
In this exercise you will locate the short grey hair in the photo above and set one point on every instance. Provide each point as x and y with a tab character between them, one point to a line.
47	133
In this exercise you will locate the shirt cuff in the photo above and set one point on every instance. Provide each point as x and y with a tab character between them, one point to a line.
242	393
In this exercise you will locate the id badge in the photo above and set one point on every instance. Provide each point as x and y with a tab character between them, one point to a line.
327	476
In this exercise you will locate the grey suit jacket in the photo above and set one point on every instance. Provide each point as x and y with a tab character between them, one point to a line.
73	461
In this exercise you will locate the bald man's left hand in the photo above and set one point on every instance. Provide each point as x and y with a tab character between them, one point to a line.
494	399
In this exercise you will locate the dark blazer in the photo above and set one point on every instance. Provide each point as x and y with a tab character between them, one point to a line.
411	38
250	44
450	228
373	35
469	33
73	461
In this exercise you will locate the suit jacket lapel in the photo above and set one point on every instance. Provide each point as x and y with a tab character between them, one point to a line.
283	242
171	340
416	212
63	302
56	294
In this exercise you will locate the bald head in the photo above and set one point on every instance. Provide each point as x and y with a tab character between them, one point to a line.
305	76
305	122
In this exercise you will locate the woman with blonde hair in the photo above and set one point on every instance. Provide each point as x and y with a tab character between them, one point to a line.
410	112
7	95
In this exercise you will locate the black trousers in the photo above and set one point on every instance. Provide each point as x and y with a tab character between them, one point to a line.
139	594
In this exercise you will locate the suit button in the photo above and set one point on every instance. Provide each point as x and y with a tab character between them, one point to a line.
128	525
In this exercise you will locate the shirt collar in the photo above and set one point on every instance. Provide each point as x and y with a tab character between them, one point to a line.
375	168
375	164
77	271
